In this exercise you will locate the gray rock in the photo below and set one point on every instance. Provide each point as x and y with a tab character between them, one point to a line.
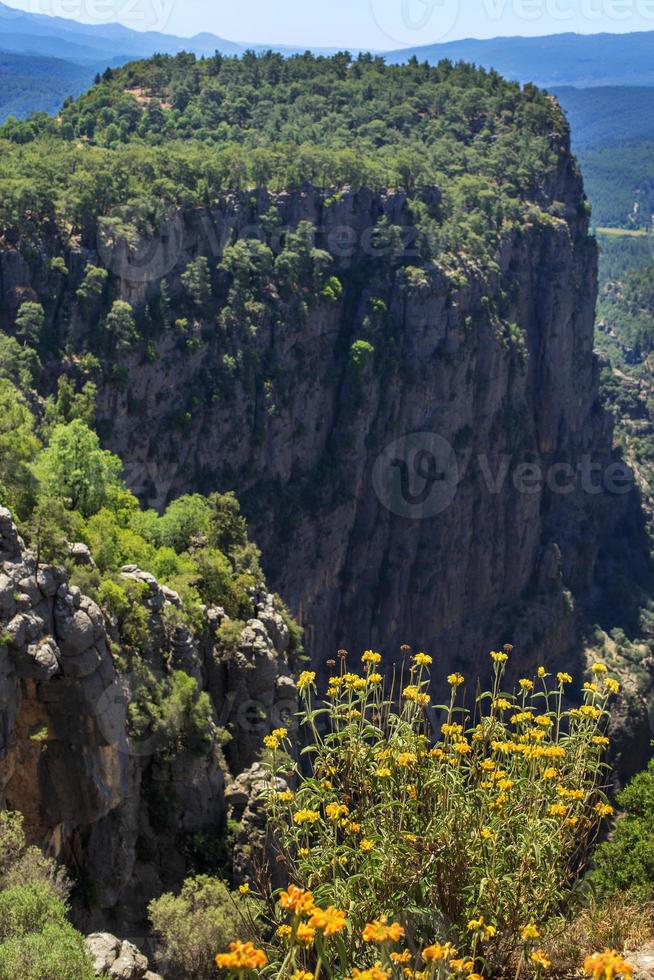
104	949
81	554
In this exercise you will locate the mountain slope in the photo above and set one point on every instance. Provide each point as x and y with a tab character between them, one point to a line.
608	115
32	84
554	60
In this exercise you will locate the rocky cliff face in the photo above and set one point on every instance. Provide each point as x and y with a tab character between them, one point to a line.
421	456
376	535
125	816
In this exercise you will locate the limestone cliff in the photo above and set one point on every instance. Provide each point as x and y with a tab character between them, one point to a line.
123	814
420	450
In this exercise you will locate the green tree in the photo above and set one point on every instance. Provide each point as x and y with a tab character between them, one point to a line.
625	862
18	448
78	471
30	320
121	326
185	522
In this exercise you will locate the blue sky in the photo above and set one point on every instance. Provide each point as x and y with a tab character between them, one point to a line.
378	24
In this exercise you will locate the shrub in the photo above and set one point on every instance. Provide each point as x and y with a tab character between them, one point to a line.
474	841
29	908
625	863
56	953
204	917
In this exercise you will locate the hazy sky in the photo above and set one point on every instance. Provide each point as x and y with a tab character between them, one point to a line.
379	24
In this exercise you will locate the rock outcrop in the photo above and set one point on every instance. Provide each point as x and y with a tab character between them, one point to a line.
441	493
123	815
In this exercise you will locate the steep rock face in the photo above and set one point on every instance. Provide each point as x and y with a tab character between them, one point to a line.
118	810
382	440
493	370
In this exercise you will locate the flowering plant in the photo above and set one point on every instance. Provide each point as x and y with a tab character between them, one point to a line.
431	857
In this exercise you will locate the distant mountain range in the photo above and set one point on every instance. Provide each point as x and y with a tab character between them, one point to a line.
45	59
581	60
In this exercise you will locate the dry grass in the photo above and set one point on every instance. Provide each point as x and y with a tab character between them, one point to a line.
617	924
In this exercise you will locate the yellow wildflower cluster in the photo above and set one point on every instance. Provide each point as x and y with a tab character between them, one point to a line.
508	789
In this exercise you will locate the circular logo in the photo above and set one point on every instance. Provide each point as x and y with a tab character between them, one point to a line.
416	476
415	22
137	247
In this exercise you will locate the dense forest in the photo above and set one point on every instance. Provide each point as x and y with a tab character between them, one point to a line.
176	131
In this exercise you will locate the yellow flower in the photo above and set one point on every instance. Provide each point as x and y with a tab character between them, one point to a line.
488	765
280	732
501	704
604	810
297	900
329	921
452	729
370	657
463	966
244	889
526	685
550	773
335	811
539	959
413	693
600	740
375	678
382	773
306	816
380	932
530	931
606	965
599	669
591	687
422	660
462	747
407	759
437	952
612	685
563	678
302	975
306	679
410	838
283	931
522	717
305	934
271	742
541	672
487	833
374	973
479	925
498	657
558	810
286	796
303	852
242	956
543	720
404	957
455	680
366	846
